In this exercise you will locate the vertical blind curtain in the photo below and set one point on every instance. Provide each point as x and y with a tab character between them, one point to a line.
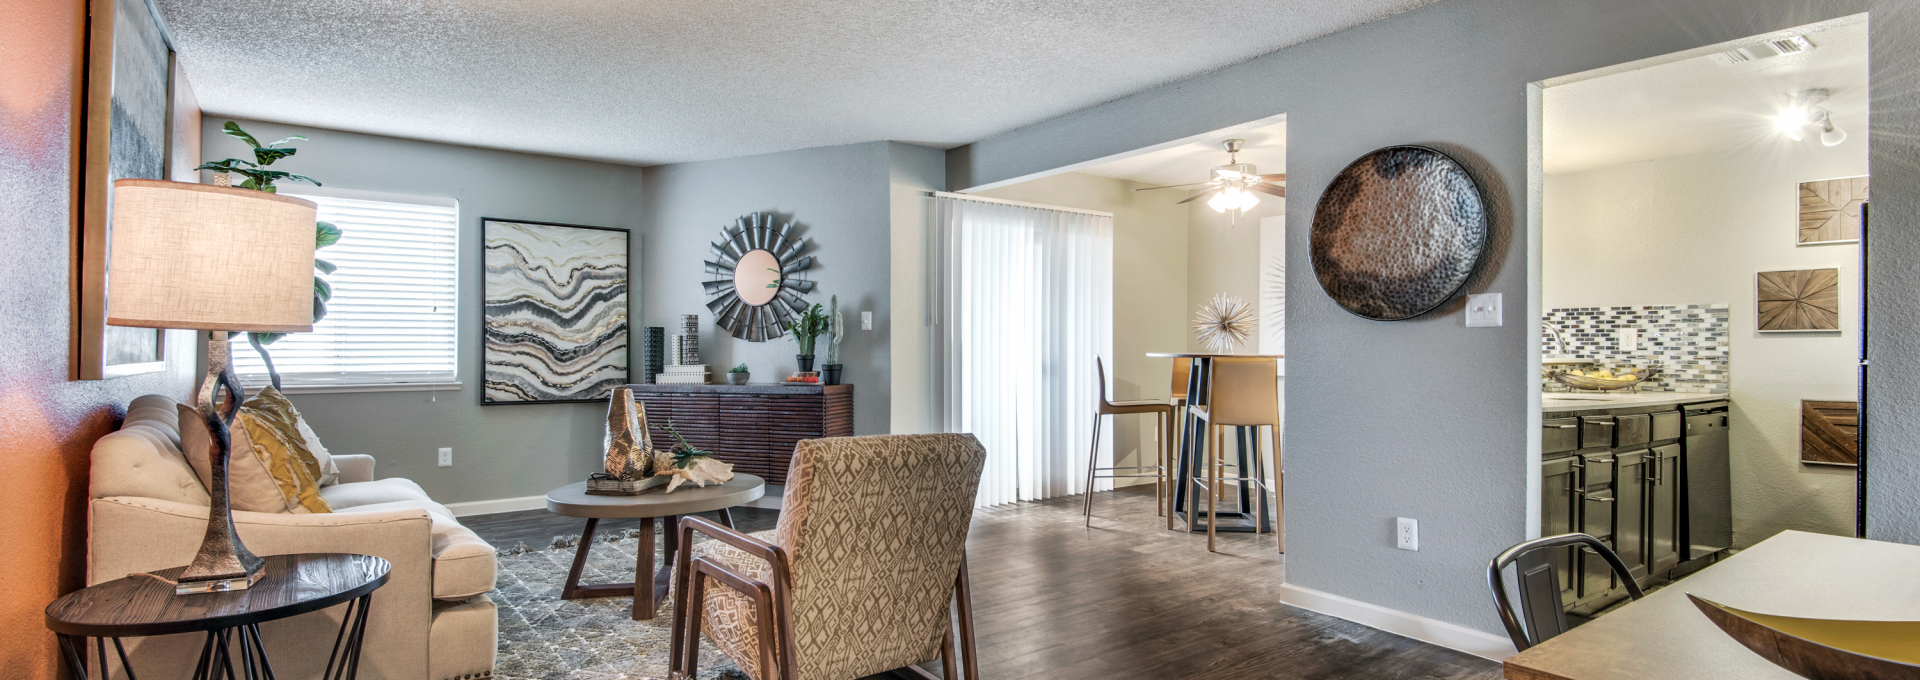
1023	302
391	318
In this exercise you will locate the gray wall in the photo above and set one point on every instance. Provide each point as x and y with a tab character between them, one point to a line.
1424	418
841	197
498	451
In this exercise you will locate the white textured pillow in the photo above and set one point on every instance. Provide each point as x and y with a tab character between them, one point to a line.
329	473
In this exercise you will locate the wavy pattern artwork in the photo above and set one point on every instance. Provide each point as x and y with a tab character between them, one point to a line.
555	312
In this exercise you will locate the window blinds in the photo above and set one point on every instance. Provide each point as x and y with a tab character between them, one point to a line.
391	320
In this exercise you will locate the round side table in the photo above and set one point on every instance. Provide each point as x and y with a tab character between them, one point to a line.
138	606
573	500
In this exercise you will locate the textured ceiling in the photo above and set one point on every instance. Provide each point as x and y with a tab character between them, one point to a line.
1695	105
683	80
1189	161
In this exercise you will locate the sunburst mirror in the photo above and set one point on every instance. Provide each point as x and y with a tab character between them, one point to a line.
751	281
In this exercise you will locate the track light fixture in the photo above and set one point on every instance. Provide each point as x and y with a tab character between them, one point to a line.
1802	112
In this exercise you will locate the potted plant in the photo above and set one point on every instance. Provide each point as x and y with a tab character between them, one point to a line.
738	375
830	374
805	330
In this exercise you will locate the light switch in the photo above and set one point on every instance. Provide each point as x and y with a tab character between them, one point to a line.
1483	310
866	321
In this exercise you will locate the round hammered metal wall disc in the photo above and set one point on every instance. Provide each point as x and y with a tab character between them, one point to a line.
1398	233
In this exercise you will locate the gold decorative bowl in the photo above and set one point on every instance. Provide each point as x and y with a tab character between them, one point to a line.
1618	382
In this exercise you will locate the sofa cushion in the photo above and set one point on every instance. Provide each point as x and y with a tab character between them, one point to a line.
461	640
143	459
277	446
463	563
377	491
251	483
271	410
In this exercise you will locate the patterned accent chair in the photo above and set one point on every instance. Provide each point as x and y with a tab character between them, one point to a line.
857	578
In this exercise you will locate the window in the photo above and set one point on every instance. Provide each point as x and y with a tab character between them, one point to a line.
391	319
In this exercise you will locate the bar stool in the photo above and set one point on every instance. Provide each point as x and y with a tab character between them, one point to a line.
1242	392
1162	442
1182	370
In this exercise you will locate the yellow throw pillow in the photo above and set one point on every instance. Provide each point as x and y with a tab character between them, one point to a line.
293	475
261	474
278	413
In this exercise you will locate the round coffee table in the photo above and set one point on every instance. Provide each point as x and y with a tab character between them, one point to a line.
573	500
138	606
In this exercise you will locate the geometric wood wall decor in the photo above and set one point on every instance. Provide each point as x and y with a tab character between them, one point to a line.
1799	300
1830	210
1398	233
753	296
1827	430
553	312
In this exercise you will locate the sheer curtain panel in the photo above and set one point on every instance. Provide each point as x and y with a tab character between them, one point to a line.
1022	303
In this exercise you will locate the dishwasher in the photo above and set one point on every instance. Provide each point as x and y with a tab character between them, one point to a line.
1707	526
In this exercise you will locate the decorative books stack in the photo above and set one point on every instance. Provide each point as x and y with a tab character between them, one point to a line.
682	374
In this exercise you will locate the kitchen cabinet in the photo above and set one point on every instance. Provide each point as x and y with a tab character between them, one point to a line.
1620	476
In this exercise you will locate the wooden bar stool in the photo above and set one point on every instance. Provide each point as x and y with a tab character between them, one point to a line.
1182	370
1162	426
1241	392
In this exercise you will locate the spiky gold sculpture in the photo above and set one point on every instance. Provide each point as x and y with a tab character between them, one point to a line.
1223	323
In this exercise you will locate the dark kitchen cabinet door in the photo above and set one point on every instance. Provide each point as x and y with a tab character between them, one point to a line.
1596	519
1559	515
1629	511
1663	504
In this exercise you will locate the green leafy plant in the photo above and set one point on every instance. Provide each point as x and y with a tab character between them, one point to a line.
742	368
261	179
836	329
808	327
685	453
256	172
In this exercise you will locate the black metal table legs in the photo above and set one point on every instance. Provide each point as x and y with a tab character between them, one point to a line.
241	645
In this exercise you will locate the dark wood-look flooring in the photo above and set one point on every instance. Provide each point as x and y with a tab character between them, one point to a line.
1125	599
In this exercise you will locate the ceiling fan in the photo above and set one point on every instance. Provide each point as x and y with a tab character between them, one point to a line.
1233	185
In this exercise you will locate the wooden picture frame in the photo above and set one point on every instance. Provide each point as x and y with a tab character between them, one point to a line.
134	107
1798	300
1828	431
1830	211
553	312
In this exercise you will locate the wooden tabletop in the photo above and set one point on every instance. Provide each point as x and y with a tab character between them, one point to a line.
573	500
1663	636
138	606
1208	355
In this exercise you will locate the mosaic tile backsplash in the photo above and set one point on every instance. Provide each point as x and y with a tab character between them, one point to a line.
1690	341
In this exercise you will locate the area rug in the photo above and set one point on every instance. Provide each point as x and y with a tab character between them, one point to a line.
546	638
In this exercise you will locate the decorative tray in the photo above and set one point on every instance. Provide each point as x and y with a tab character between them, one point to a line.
1615	381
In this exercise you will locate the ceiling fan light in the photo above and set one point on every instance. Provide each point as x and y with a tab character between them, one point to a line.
1832	136
1248	200
1221	202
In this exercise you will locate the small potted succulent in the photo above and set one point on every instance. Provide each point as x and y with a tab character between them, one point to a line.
738	375
830	373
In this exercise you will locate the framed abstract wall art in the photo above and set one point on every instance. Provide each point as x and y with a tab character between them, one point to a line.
554	312
1830	211
1799	300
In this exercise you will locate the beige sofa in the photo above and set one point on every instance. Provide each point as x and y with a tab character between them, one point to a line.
431	621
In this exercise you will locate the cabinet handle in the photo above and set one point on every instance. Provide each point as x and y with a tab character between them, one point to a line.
1596	499
1559	427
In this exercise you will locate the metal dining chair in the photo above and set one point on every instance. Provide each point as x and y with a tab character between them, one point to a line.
1162	427
1539	590
1241	392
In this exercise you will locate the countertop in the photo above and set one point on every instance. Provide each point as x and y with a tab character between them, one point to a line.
1556	402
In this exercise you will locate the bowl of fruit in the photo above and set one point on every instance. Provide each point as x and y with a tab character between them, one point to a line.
1603	379
804	378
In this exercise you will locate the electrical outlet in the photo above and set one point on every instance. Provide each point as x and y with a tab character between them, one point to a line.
866	321
1407	537
446	456
1629	339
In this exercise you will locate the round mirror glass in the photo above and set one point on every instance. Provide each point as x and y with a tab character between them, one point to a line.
756	277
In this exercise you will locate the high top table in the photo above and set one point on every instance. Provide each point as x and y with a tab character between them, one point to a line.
573	500
1192	448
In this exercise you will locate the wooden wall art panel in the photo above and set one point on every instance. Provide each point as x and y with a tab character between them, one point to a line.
1830	210
1799	300
1827	432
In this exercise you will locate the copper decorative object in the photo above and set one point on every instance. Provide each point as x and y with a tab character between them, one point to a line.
1823	649
1223	323
630	467
1399	233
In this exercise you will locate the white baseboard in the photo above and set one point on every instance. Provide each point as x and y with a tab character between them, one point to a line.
497	505
1451	636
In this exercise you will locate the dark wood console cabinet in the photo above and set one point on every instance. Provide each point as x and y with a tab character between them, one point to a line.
754	427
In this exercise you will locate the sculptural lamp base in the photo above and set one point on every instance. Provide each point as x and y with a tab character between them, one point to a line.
223	563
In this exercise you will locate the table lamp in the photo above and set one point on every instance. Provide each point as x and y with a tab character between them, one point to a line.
215	260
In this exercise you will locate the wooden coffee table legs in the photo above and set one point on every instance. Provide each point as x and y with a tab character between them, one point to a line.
646	601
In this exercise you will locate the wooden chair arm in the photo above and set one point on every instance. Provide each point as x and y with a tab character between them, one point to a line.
776	622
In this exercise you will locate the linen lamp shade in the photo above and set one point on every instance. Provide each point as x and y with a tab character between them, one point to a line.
210	258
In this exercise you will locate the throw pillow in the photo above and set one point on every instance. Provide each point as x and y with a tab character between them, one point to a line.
262	475
294	430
